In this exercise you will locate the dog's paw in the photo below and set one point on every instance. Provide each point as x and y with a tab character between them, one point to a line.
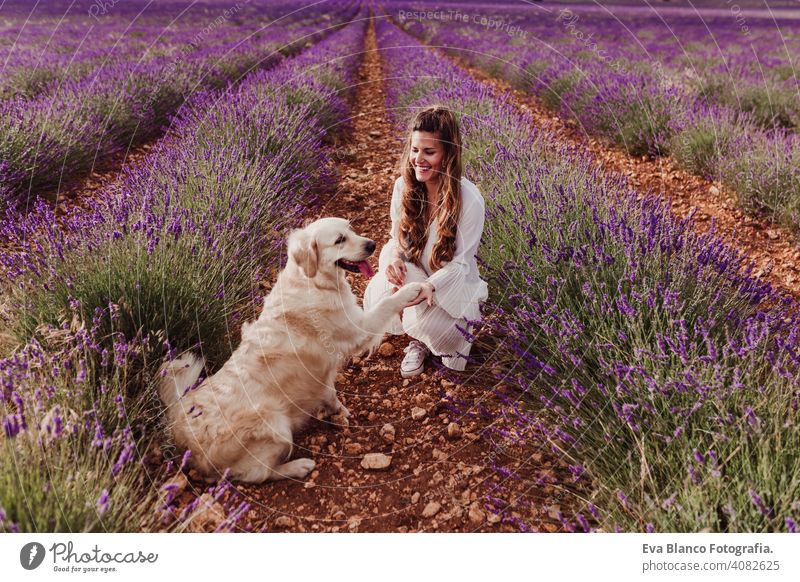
341	418
297	469
408	292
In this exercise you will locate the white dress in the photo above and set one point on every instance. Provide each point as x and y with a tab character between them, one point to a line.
459	287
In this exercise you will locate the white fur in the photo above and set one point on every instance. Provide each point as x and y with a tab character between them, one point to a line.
243	417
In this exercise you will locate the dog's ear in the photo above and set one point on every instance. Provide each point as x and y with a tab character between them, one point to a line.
304	251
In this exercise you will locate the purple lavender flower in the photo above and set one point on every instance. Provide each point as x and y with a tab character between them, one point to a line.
185	459
764	509
102	502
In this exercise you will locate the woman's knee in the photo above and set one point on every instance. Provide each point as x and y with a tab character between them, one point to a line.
378	288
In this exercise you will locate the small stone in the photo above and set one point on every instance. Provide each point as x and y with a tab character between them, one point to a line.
375	133
386	350
439	455
493	518
372	416
388	433
415	497
773	235
553	511
453	431
418	413
376	461
550	527
476	514
284	521
208	515
713	190
431	509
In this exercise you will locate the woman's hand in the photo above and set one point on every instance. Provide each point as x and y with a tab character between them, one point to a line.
396	272
426	294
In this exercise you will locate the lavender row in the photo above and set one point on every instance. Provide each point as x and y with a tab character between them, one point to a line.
171	260
72	52
648	358
58	136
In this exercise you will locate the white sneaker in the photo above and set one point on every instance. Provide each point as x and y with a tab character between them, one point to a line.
414	362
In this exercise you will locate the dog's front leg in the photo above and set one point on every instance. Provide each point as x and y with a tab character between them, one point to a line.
336	411
332	407
331	404
377	320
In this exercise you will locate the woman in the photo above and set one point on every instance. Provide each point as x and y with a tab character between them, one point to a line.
437	222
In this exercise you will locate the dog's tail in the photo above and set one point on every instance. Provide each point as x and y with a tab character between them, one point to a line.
177	376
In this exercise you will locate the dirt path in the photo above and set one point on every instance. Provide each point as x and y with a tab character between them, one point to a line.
442	459
774	249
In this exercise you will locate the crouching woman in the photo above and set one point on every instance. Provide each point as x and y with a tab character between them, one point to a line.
437	218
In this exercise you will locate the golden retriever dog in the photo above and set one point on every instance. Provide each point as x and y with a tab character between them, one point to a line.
243	417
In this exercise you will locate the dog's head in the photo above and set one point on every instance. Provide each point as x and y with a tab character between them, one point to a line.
329	244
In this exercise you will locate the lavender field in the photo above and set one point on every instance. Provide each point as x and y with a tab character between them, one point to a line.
647	358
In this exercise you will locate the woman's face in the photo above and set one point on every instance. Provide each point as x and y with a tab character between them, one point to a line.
426	157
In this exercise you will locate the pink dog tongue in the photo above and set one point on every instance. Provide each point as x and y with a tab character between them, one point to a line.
366	269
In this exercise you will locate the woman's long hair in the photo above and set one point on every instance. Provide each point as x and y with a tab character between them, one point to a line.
441	122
